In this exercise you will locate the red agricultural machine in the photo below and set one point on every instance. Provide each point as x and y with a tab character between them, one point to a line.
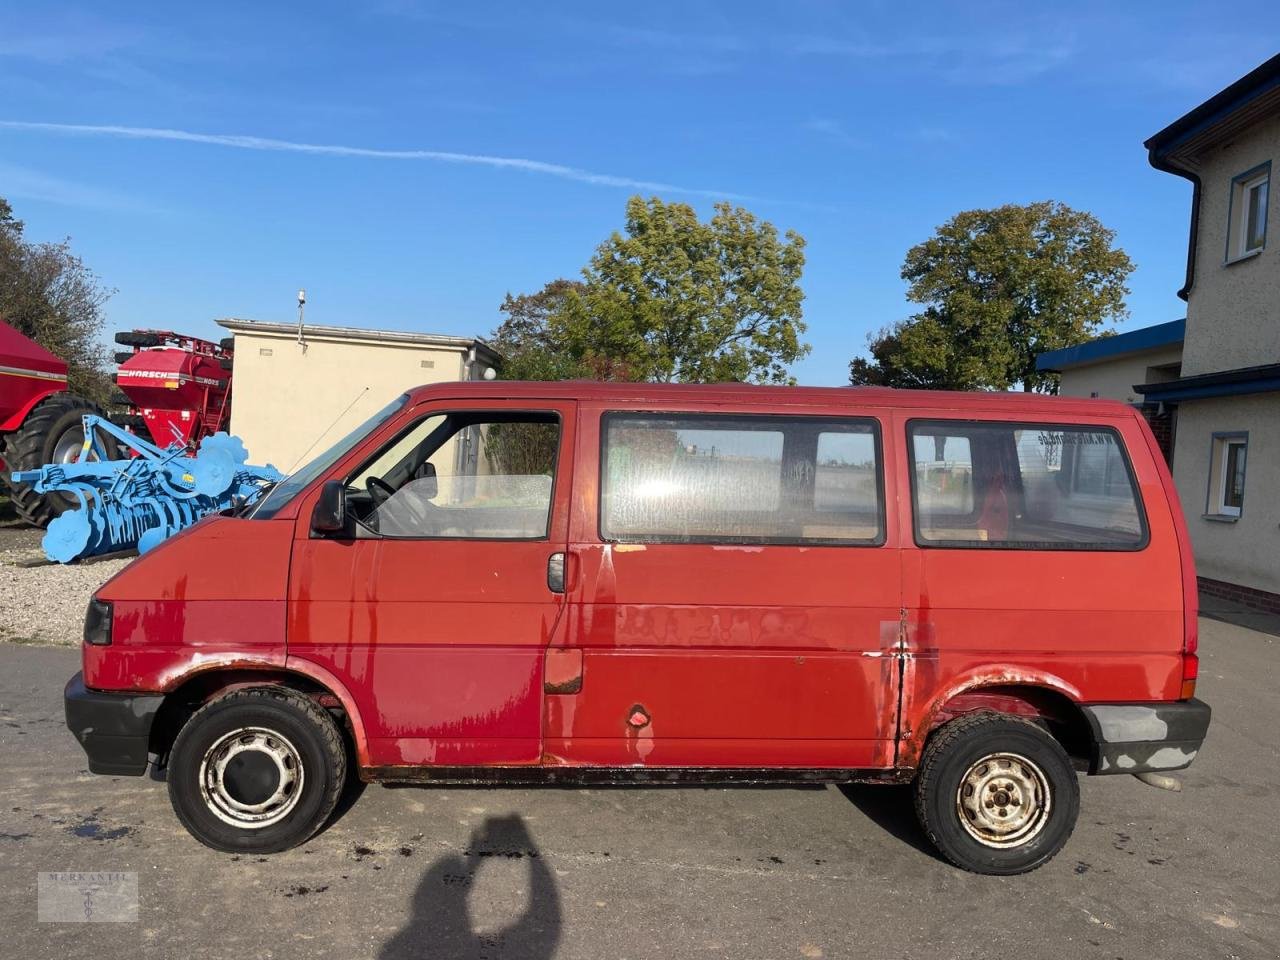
176	388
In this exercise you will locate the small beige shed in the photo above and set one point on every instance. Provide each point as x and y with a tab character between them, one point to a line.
296	392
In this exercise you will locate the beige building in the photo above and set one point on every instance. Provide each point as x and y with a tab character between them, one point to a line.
296	393
1226	457
1110	366
1113	367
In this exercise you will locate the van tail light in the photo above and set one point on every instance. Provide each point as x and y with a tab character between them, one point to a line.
1190	660
1190	669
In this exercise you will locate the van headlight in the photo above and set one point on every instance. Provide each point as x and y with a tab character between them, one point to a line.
97	623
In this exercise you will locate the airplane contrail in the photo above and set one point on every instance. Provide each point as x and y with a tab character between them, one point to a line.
242	142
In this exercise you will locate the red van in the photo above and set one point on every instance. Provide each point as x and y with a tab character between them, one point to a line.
981	594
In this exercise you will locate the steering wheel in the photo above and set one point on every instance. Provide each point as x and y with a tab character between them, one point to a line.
413	521
379	490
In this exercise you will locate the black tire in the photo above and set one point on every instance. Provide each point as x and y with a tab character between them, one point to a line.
137	338
225	362
124	355
956	760
227	343
297	725
52	428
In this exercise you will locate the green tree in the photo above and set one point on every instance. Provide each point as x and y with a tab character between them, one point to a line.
999	287
49	295
670	299
528	342
676	299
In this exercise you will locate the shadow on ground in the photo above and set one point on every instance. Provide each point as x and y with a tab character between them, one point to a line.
441	924
892	809
1228	611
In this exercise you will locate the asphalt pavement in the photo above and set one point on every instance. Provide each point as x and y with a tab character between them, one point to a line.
655	872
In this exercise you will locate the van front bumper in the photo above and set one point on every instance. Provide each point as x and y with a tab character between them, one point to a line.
1146	737
113	728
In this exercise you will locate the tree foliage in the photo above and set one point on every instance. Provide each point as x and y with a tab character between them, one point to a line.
999	287
528	339
49	295
670	299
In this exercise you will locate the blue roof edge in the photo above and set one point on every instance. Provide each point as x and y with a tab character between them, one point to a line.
1107	348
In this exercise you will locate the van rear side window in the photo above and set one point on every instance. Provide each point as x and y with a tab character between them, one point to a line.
741	479
1023	486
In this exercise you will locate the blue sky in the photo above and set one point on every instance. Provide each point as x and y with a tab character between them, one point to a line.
521	129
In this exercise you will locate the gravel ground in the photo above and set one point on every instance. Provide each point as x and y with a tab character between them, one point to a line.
45	603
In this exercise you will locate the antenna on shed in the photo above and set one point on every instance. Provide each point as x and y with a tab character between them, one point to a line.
302	302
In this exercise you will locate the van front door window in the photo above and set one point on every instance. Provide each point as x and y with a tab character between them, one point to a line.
461	475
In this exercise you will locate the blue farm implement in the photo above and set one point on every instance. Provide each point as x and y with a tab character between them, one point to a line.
139	502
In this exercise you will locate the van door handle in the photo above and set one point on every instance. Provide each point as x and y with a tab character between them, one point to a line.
555	573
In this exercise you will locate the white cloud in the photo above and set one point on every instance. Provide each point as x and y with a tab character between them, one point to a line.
242	142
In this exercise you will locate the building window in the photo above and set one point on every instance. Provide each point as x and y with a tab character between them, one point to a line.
1247	232
1226	474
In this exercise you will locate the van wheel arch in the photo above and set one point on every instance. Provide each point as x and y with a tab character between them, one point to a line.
1055	712
183	701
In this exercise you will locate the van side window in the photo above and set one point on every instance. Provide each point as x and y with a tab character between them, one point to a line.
461	475
1023	486
741	479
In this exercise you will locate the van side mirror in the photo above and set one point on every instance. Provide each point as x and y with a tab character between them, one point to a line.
427	486
330	514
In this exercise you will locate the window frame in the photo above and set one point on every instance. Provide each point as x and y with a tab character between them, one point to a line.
781	419
1040	546
363	532
1238	213
1215	507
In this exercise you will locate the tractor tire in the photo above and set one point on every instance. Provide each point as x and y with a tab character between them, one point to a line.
52	433
228	344
123	356
137	338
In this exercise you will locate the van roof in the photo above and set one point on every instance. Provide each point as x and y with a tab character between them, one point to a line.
1013	404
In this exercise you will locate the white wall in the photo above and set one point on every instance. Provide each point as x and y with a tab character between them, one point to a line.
289	404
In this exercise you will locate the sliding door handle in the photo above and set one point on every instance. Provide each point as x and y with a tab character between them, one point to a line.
555	573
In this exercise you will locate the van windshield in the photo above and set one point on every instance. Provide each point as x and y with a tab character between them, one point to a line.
288	488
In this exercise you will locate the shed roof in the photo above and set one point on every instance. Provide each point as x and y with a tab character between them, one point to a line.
361	334
1109	348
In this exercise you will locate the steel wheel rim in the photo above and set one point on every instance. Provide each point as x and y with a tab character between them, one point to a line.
1003	800
67	449
219	790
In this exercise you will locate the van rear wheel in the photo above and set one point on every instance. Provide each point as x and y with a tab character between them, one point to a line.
996	794
257	771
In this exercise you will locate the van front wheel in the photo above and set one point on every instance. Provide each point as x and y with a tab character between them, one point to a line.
996	794
257	771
